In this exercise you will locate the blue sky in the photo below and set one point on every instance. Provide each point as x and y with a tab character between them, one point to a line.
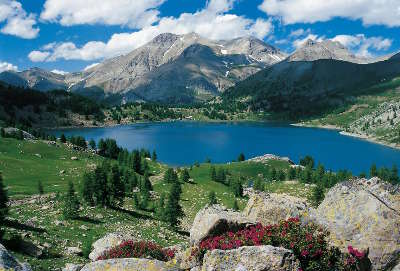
69	35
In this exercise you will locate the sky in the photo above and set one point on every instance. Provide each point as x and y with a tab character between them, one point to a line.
71	35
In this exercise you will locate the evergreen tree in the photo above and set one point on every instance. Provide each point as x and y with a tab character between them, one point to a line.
100	185
71	203
213	174
3	204
212	198
394	175
160	207
40	188
92	144
273	174
307	161
136	201
235	206
2	133
136	161
373	172
146	182
170	176
291	174
117	187
88	188
241	157
154	156
173	210
133	181
318	194
258	184
237	188
185	177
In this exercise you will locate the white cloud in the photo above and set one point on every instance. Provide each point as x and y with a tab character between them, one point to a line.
299	32
213	22
59	72
90	66
297	43
38	56
5	66
362	45
131	13
17	21
382	12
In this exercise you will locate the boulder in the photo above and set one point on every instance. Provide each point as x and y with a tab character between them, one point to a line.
72	267
73	251
272	208
9	263
215	220
184	259
129	264
396	268
364	214
107	242
257	258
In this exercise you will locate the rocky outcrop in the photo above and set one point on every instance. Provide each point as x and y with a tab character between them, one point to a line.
9	263
258	258
72	267
12	130
107	242
129	265
268	157
365	214
215	220
272	208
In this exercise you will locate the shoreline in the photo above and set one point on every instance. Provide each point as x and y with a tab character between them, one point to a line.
344	133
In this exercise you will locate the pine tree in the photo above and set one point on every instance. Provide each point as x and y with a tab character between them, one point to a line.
88	188
40	188
146	182
63	139
318	194
212	198
71	203
160	207
3	204
394	175
100	185
185	177
291	174
213	174
173	210
154	156
170	176
235	206
373	172
136	161
3	133
241	157
117	187
92	144
136	201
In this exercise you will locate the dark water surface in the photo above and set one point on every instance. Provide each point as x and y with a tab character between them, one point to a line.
183	143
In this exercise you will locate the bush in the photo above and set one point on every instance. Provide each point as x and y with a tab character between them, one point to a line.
308	243
142	249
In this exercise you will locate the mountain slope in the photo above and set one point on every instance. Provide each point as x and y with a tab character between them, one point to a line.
35	78
327	49
302	88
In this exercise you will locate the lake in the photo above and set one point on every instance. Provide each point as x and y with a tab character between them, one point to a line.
184	143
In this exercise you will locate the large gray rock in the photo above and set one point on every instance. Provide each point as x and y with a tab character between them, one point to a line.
72	267
257	258
215	220
9	263
107	242
272	208
130	264
364	214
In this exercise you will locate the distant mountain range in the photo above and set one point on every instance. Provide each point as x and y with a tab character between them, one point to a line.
187	68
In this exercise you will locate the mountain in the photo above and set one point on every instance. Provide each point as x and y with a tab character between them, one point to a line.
301	88
35	78
327	49
205	67
170	68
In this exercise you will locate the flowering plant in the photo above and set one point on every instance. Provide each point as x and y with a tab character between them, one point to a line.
308	243
142	249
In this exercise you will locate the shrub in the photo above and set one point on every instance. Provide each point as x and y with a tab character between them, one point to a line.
142	249
308	243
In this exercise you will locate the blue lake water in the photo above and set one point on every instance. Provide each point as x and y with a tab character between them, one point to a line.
184	143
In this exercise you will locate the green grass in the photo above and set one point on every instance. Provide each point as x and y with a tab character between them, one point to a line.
22	170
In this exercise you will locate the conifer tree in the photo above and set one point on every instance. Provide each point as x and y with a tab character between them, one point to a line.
117	187
241	157
160	207
92	144
212	198
40	187
185	177
88	188
63	139
213	174
136	161
136	201
173	210
2	133
100	187
71	203
373	172
3	204
146	182
154	156
318	194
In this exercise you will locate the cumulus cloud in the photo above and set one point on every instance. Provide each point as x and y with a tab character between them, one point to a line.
381	12
16	21
213	22
59	72
362	44
131	13
38	56
297	43
90	66
5	66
